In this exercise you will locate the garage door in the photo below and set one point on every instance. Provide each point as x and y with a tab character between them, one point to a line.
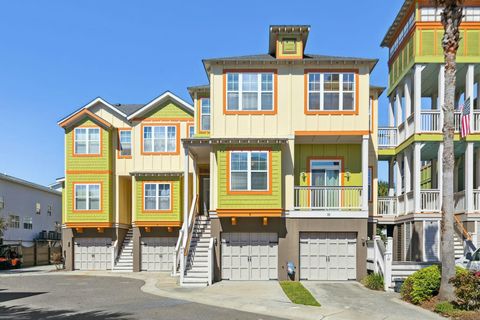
93	254
249	256
157	253
328	256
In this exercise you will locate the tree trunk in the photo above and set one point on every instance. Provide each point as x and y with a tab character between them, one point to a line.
451	18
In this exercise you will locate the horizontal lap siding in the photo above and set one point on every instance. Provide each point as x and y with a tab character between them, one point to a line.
250	201
177	201
168	110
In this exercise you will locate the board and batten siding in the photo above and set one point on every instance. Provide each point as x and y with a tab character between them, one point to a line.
246	200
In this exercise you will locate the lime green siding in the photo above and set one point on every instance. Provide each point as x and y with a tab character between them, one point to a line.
250	201
426	177
402	62
177	204
168	110
106	204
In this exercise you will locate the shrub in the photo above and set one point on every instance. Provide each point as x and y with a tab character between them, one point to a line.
423	284
373	281
467	290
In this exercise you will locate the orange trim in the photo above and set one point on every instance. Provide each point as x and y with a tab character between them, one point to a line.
332	133
402	24
334	112
226	213
267	192
119	156
199	118
158	223
163	119
372	126
88	155
171	197
255	112
81	114
74	210
177	146
88	171
88	224
189	125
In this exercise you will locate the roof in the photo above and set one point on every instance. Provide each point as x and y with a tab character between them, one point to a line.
29	184
128	109
302	30
167	95
404	10
198	89
378	89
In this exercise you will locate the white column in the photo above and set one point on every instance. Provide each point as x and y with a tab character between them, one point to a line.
417	164
195	175
365	142
407	155
469	177
478	94
185	194
398	106
407	93
391	115
477	165
417	100
440	170
391	187
399	174
441	92
469	85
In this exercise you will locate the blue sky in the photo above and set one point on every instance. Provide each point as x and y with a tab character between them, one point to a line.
58	55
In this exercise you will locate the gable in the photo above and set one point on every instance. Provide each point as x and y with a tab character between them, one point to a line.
167	110
83	115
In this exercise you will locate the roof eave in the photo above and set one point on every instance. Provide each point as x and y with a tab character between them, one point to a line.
167	94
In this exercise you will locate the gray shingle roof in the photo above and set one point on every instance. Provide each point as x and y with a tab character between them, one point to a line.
307	57
128	109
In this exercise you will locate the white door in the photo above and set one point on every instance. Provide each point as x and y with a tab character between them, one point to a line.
92	254
325	173
157	253
328	256
249	256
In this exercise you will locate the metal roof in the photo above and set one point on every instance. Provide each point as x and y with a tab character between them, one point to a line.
29	184
387	39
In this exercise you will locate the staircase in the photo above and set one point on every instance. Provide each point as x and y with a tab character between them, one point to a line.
458	246
124	262
196	273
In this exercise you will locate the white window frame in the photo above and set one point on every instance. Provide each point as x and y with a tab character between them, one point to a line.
2	202
87	196
28	221
202	123
157	196
38	208
166	150
249	171
13	221
88	142
340	91
438	241
191	131
259	92
121	143
402	34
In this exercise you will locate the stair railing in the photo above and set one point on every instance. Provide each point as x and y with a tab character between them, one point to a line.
177	255
114	253
462	229
211	261
191	223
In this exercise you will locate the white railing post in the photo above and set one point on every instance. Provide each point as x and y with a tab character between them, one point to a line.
375	253
387	276
210	261
182	264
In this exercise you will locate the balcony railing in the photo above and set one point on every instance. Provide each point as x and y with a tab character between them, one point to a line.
430	200
387	206
333	198
476	200
476	120
430	120
457	120
387	137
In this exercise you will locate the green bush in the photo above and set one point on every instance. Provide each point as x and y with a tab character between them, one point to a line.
423	284
467	290
373	281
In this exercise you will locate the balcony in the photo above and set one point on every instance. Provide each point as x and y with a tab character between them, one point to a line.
328	198
405	203
387	137
387	206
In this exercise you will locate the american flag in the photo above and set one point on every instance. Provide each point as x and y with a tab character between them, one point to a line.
465	122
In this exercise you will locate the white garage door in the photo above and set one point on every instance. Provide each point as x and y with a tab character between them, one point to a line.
93	254
328	256
249	256
157	253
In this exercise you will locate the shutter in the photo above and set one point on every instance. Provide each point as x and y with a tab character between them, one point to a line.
428	38
461	44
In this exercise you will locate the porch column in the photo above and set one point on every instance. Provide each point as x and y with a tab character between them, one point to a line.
417	101
477	165
194	178
407	174
391	115
399	174
391	186
185	193
407	93
398	106
469	85
440	171
441	93
365	142
417	164
469	177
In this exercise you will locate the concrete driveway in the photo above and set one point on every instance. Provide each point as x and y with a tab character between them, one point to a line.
350	300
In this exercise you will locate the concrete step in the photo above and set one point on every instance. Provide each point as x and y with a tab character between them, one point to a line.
198	269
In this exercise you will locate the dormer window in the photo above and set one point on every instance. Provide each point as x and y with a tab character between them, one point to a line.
289	45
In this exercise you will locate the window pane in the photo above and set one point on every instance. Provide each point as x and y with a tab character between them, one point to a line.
239	181
267	101
164	190
205	122
147	132
191	131
81	204
250	82
267	82
259	161
239	161
331	101
164	203
232	79
80	191
81	134
348	101
150	203
150	190
80	147
94	148
94	204
259	181
147	145
232	101
331	81
94	191
250	101
314	101
94	135
314	81
205	105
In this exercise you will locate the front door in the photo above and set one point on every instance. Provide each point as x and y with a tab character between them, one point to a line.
324	174
204	194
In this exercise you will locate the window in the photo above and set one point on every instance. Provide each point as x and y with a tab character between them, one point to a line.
13	221
38	208
370	184
430	14
205	114
49	210
125	143
331	91
471	14
325	178
249	91
249	171
157	196
27	223
289	45
87	140
191	130
87	197
405	31
159	139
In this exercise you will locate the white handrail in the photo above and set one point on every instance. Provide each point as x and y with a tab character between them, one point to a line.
176	256
210	261
182	245
387	206
387	137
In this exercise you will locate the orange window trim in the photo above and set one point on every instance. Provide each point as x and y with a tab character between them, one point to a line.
254	112
267	192
95	155
119	156
189	125
199	118
74	209
171	197
332	112
177	146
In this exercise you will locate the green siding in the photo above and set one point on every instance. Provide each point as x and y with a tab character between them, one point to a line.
106	214
168	110
250	201
426	177
177	204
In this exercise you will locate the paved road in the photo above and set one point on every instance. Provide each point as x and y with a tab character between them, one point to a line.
79	297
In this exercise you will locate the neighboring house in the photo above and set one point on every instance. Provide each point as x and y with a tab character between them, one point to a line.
28	209
280	150
412	142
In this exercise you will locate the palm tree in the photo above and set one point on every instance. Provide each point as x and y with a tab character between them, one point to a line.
451	18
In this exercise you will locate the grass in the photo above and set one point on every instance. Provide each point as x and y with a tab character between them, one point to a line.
297	293
450	310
